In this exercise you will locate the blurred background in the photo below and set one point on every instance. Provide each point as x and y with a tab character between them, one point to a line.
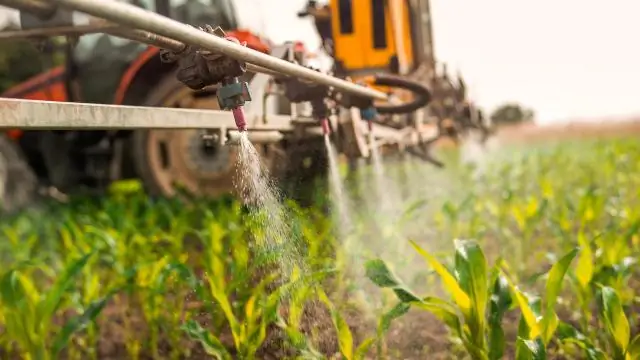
569	60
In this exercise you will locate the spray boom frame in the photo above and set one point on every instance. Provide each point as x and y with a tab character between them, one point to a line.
205	57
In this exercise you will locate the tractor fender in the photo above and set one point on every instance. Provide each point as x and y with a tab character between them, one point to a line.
143	74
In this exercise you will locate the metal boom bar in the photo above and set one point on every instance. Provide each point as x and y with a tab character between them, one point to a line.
54	115
139	18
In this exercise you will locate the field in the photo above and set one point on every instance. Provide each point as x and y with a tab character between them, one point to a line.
528	253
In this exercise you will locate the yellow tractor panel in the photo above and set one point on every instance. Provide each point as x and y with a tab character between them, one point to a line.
363	35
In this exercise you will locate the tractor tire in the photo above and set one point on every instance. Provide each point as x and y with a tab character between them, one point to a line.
174	162
18	182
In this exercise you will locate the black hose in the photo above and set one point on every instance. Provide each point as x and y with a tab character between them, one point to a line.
421	93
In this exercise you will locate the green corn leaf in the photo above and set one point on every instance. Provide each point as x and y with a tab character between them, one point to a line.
54	296
554	285
472	273
297	305
345	337
181	270
387	318
530	315
499	304
301	342
615	321
257	316
633	351
443	311
209	342
530	350
450	283
567	333
363	348
585	267
12	290
78	323
379	273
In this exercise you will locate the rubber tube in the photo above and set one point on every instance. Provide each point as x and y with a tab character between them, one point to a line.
421	93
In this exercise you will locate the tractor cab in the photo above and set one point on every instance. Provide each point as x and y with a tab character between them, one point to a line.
366	36
98	67
100	61
105	69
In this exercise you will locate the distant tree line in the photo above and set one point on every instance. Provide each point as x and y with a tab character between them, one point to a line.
511	113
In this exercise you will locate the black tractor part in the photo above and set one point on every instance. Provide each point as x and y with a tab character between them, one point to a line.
18	182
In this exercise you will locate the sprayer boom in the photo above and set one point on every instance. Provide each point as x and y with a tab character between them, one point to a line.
206	56
138	18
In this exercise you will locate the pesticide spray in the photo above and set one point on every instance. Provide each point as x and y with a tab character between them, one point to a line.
338	192
260	193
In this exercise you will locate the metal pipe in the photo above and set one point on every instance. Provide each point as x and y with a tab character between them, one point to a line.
171	44
39	8
56	31
260	69
147	38
136	17
256	137
55	115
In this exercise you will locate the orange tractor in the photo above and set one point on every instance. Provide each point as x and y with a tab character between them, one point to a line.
103	69
394	50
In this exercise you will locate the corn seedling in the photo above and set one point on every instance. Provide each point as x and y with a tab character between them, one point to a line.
28	312
538	321
474	314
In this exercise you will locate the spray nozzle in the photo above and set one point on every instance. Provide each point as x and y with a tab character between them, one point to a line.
232	95
369	114
326	129
238	116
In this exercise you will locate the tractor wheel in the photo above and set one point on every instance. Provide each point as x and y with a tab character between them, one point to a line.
169	160
18	182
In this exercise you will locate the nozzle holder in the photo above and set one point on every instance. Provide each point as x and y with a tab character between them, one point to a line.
369	113
233	93
198	68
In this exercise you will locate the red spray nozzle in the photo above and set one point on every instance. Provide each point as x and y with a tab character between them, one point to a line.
238	116
326	130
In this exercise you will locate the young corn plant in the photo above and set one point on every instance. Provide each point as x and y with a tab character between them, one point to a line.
346	343
246	309
611	313
348	348
479	298
29	312
618	344
291	323
538	321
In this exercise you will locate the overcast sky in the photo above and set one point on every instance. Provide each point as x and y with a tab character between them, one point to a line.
567	59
